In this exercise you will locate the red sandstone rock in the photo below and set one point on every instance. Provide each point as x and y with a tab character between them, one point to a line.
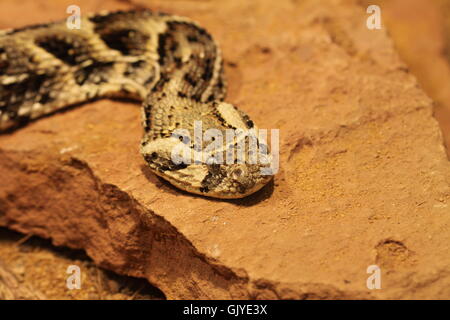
363	175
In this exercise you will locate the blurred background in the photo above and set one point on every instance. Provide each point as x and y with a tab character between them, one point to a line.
421	32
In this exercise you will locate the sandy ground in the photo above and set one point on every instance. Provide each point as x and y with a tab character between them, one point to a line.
43	267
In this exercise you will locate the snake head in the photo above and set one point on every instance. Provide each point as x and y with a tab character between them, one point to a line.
222	155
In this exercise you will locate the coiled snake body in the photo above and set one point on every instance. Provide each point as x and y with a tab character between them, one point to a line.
169	63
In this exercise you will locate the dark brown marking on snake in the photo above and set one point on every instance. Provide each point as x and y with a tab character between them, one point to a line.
192	38
3	62
96	72
163	38
63	49
16	94
196	97
126	41
163	164
161	82
147	114
190	80
209	69
213	178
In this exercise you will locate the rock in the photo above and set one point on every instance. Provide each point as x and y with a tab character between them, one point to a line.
363	178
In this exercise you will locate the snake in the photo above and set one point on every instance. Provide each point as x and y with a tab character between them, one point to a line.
168	63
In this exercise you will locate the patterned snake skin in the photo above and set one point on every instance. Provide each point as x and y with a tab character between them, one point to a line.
169	63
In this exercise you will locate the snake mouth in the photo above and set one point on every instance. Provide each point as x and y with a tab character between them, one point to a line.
241	194
230	190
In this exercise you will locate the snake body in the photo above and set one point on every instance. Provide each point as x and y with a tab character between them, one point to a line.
169	63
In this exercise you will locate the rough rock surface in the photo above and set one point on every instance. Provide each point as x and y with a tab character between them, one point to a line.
363	174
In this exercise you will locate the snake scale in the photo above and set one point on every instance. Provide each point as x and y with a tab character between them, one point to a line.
169	63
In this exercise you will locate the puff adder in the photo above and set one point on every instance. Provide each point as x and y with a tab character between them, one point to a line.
169	63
